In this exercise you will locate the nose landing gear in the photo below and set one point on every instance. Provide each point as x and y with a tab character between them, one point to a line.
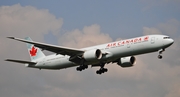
160	56
160	53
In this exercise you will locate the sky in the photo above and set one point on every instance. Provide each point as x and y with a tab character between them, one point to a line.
80	23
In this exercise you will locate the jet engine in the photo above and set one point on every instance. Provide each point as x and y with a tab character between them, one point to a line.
126	61
93	54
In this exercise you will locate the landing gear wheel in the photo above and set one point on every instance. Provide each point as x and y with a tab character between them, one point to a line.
82	67
85	66
160	56
105	69
102	70
98	72
79	69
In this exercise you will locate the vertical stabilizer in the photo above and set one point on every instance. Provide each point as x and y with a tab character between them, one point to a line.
34	52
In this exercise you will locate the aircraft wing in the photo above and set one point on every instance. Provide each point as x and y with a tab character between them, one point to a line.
52	48
20	61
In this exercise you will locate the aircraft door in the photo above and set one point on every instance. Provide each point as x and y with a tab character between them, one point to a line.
152	40
128	45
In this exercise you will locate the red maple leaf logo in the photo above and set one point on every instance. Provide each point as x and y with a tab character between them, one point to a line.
33	51
146	38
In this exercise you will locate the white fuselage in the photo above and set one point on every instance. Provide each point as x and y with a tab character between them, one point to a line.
111	51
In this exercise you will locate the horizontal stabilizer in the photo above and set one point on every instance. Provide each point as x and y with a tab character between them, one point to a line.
21	61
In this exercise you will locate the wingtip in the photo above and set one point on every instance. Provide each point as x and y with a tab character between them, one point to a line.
7	60
11	37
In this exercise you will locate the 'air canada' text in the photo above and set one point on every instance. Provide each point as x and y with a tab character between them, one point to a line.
130	41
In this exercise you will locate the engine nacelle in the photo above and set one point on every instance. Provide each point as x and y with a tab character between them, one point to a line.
127	61
92	55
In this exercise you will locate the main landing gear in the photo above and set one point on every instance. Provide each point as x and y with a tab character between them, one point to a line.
102	69
82	67
160	53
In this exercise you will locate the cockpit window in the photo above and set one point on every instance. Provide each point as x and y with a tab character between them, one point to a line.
166	38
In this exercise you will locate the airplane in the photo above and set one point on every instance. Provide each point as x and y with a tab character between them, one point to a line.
121	52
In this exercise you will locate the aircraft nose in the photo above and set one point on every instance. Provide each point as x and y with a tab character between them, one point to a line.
169	42
172	41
